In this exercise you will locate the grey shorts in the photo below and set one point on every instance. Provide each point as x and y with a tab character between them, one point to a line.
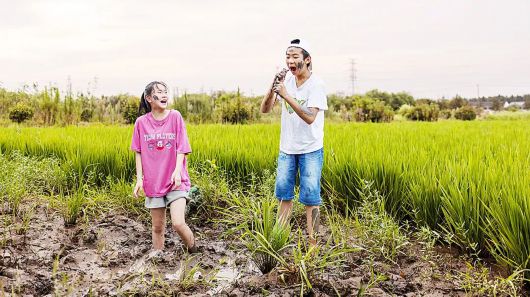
165	201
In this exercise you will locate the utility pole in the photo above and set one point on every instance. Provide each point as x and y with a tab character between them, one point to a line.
478	96
352	76
175	94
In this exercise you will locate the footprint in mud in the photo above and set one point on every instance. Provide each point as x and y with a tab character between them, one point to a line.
147	262
227	275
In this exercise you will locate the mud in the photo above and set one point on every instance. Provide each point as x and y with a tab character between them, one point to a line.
112	256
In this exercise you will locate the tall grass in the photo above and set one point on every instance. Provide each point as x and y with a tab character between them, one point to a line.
467	178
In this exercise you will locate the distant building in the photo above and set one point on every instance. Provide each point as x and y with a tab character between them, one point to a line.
519	104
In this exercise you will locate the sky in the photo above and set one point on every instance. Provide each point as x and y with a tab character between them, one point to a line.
430	49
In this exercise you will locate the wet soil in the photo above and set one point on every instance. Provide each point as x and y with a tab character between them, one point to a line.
111	256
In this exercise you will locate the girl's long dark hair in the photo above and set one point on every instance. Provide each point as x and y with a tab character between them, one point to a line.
145	107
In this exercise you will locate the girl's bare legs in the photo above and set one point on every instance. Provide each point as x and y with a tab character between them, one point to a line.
158	218
177	209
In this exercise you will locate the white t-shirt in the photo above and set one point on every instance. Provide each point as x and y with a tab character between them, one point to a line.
296	136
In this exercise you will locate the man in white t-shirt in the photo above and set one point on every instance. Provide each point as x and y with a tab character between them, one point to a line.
303	100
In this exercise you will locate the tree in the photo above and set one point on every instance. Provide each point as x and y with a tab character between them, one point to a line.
425	102
423	112
457	102
20	113
496	104
399	99
55	106
466	113
129	110
370	110
526	104
46	107
233	110
443	104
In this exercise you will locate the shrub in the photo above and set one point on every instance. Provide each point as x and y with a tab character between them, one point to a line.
423	112
369	110
235	113
130	110
457	102
513	108
20	112
466	113
445	114
86	115
404	109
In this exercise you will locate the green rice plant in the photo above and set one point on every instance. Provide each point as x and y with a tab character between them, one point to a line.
477	281
71	206
463	212
266	236
13	194
340	224
375	278
310	261
379	232
120	196
508	115
507	228
435	174
27	215
215	190
23	177
234	213
427	239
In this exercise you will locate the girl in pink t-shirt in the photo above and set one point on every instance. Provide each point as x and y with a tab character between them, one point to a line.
161	145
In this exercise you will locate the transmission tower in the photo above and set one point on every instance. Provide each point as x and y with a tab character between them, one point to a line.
353	76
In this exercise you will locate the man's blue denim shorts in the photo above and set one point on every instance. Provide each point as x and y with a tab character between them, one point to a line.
310	167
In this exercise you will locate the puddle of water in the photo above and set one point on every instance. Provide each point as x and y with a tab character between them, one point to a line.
225	277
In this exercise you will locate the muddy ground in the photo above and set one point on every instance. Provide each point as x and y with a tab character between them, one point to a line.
110	256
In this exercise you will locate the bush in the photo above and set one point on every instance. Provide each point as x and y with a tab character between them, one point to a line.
129	110
369	110
20	112
235	113
404	109
513	108
232	109
457	102
466	113
423	112
445	114
86	115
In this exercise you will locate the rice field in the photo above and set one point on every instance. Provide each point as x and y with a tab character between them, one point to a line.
468	180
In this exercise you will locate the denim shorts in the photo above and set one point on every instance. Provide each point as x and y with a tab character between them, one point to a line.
165	201
310	167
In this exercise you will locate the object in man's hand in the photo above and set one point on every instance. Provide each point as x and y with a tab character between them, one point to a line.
280	76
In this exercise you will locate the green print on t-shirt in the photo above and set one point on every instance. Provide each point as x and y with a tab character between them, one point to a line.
289	108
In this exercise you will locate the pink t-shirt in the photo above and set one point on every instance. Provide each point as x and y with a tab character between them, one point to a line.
159	142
